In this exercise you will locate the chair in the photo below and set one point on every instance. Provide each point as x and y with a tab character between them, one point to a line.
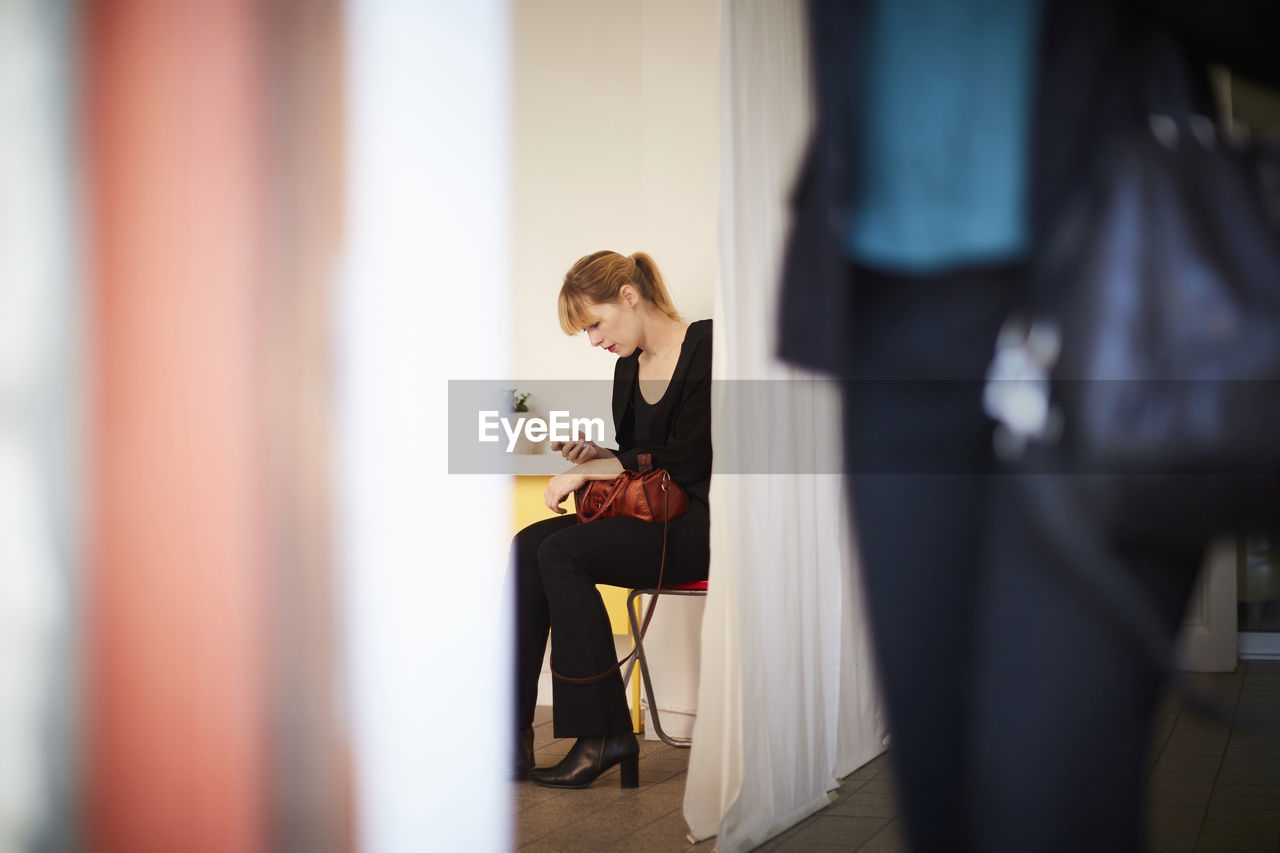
698	588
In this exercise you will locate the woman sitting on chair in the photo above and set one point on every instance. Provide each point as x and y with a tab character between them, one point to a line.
661	407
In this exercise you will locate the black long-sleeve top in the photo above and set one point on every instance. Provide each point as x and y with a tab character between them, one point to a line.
676	430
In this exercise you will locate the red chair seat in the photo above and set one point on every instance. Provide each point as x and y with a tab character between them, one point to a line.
696	585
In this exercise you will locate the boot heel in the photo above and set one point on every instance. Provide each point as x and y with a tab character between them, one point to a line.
631	772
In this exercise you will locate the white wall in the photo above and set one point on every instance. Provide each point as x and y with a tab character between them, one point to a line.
615	135
616	147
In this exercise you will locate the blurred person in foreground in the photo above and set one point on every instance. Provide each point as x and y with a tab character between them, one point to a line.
949	137
661	407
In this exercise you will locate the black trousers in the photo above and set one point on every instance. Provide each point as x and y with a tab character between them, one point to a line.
1019	713
555	566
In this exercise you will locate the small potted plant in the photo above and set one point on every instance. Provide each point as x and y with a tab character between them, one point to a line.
519	405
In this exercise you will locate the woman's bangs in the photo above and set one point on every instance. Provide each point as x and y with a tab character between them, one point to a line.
574	314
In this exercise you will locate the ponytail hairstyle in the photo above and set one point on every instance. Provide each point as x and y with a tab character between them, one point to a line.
599	278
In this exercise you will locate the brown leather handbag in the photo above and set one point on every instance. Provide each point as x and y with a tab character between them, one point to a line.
648	494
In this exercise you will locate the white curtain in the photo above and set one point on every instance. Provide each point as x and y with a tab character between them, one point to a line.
787	702
39	471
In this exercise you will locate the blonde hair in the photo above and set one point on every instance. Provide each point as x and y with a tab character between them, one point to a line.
599	277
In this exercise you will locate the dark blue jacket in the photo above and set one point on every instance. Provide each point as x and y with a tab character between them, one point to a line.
1087	86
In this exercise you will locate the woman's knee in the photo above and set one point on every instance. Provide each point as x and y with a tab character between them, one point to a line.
523	546
558	559
522	564
526	543
549	553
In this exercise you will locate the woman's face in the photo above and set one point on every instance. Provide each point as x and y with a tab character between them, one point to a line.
616	327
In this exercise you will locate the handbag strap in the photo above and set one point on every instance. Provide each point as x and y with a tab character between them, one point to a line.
644	627
616	489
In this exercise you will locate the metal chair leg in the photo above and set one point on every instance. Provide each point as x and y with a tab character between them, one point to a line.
677	742
635	631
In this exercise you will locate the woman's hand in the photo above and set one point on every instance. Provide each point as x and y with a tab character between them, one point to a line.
560	487
579	451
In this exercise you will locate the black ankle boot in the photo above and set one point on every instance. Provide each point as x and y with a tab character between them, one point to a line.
524	755
590	757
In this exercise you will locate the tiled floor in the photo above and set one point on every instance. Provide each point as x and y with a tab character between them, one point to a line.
604	816
1210	787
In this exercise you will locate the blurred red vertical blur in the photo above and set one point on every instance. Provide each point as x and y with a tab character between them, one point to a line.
175	711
